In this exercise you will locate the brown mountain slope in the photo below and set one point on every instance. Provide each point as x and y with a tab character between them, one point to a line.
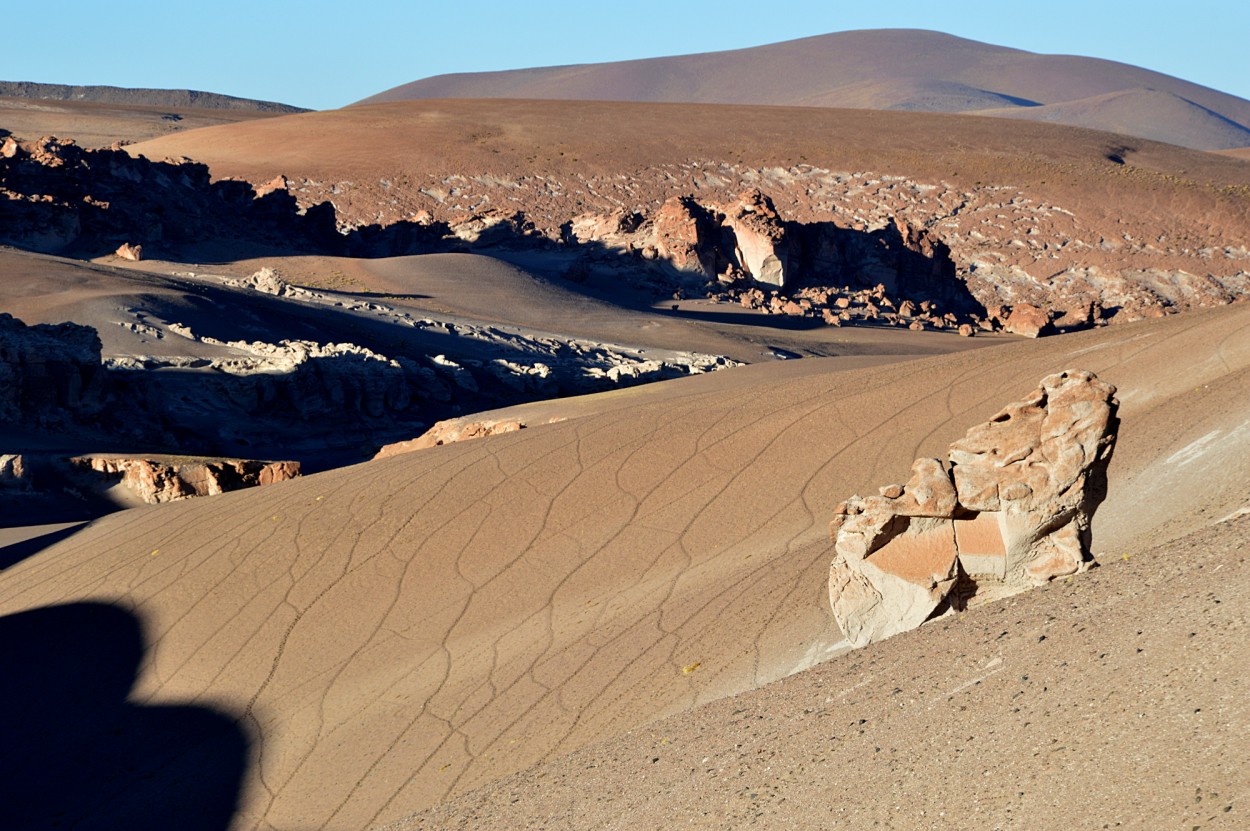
1148	113
402	631
878	69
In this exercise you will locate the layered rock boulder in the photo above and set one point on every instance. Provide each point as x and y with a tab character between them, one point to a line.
1007	511
165	479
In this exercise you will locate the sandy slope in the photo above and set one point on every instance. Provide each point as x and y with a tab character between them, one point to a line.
402	631
876	69
1117	700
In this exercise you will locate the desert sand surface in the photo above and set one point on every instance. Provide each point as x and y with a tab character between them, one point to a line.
345	649
886	69
522	289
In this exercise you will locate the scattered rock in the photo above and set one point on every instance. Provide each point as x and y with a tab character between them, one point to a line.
1011	510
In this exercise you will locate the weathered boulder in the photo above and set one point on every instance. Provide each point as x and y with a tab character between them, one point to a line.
166	479
1010	510
684	236
760	238
13	472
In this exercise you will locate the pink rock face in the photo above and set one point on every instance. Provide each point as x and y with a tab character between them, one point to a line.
760	238
126	251
450	432
1009	511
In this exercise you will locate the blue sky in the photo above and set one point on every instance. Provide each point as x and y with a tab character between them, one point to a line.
323	54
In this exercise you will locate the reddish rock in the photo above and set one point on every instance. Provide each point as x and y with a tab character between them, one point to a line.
1027	320
760	238
683	236
167	479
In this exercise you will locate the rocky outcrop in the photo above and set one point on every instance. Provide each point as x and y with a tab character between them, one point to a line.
167	479
1009	510
49	373
684	235
760	242
449	432
126	251
13	472
58	197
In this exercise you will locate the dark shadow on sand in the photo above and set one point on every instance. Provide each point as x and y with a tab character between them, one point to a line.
11	555
78	754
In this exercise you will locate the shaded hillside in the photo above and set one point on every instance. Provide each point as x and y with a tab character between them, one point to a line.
168	98
874	69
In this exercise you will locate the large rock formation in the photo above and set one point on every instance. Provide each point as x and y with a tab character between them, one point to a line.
1009	511
761	245
167	479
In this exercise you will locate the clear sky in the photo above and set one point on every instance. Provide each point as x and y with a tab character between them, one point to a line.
322	54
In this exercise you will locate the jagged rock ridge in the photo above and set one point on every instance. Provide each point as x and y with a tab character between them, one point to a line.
162	479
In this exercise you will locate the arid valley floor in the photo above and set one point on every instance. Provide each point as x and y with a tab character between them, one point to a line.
466	457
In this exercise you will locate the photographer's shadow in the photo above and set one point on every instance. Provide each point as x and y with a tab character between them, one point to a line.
77	754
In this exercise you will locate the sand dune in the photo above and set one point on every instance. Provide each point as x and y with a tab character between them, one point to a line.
877	69
401	631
